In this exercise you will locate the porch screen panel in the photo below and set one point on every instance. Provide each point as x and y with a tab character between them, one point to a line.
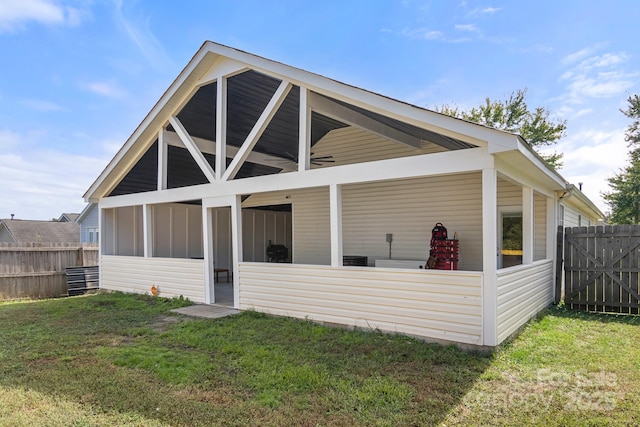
194	232
179	232
539	227
129	238
161	232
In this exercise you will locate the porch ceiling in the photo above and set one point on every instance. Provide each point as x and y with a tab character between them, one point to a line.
249	92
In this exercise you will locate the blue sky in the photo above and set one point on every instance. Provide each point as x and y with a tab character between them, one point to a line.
78	76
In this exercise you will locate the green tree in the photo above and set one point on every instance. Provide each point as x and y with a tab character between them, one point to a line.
624	199
513	115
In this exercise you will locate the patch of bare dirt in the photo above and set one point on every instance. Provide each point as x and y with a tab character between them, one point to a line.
163	323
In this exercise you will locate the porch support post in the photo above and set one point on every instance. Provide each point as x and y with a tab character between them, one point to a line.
221	126
207	235
101	229
236	239
163	153
552	229
335	213
489	257
527	225
147	230
304	147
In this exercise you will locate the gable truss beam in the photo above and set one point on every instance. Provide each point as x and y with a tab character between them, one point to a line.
221	126
197	155
163	155
304	138
339	112
263	121
207	146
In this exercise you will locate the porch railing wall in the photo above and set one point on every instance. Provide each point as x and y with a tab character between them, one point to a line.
523	291
441	305
172	277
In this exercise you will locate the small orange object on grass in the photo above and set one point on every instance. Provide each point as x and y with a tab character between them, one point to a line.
154	291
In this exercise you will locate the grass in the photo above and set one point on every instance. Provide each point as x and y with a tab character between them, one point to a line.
115	359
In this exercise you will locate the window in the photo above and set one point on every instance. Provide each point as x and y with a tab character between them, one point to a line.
92	235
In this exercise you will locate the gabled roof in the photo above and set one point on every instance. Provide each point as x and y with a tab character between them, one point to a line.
194	85
30	231
68	217
87	209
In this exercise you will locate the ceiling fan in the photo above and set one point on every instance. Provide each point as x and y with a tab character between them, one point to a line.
317	161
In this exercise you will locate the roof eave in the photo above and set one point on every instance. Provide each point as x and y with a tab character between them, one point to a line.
575	192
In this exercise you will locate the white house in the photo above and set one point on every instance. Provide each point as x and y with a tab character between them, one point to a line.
242	152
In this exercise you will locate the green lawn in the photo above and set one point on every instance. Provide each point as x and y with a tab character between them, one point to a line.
114	359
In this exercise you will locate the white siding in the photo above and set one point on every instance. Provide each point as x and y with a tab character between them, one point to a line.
576	218
353	145
509	194
409	209
440	305
522	292
571	217
172	276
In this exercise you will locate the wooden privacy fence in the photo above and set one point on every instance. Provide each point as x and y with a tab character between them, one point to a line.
601	266
37	270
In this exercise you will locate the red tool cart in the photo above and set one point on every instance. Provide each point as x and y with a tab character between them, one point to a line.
444	251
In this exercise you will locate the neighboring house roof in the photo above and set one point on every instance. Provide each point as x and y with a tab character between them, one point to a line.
30	231
86	211
68	217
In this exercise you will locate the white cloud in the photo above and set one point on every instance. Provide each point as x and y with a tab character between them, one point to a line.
603	85
491	10
141	35
426	34
576	56
42	105
422	33
14	14
108	89
8	139
606	60
41	184
539	48
466	27
582	112
483	11
591	75
591	156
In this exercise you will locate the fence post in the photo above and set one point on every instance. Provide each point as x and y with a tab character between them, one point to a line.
559	264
